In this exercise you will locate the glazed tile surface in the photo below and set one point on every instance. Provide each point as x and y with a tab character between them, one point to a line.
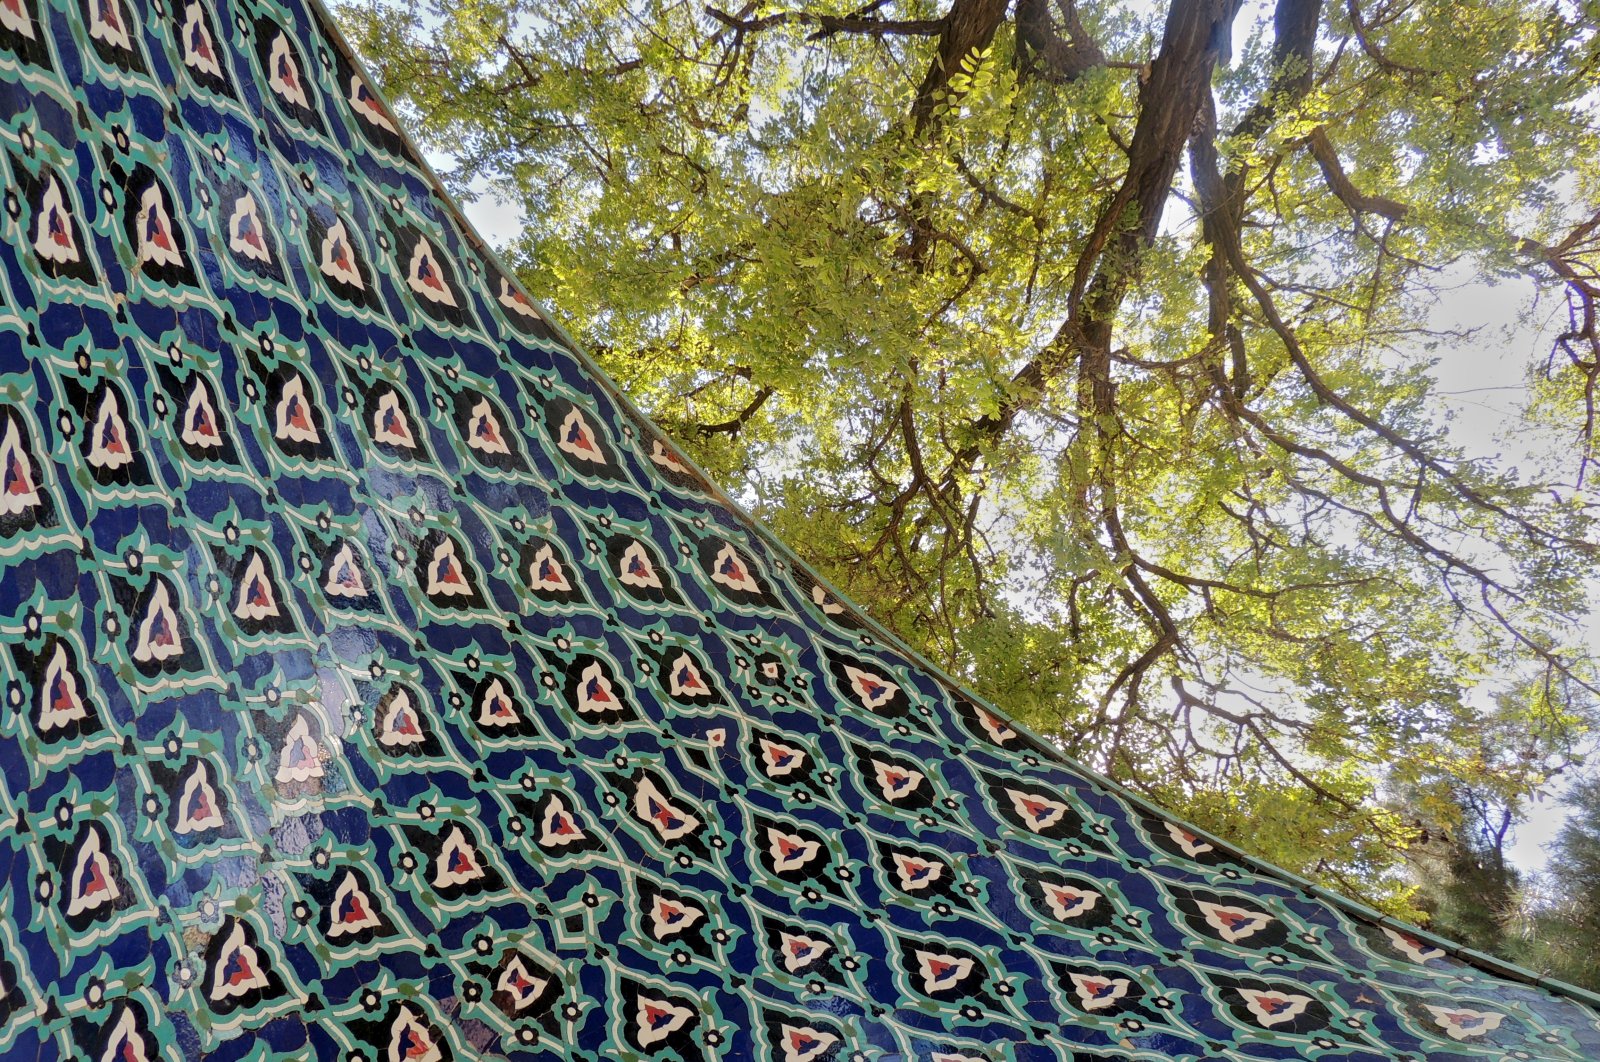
378	685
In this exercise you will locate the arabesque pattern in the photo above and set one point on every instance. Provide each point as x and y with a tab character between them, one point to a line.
377	685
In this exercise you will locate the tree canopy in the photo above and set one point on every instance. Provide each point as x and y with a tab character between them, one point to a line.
1086	344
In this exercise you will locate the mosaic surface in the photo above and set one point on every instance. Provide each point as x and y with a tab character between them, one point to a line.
377	686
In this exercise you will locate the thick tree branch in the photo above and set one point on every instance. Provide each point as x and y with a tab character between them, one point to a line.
828	25
969	26
1195	37
1572	260
733	426
1052	43
1364	37
1343	188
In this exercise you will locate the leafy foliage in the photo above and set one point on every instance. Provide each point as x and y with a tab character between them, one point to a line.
1083	345
1549	922
1563	934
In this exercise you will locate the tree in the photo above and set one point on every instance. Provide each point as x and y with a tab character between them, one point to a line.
1085	346
1561	932
1549	922
1470	892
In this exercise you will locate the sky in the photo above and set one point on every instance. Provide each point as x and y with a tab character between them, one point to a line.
1484	384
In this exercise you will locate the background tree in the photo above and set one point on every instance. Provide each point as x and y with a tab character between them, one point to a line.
1084	344
1470	891
1548	921
1562	933
1567	922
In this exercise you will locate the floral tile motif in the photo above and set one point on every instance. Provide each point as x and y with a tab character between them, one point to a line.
379	686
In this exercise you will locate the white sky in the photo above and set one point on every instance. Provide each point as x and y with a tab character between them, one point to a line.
1483	381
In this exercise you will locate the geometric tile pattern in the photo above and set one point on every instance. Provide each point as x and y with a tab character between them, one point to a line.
378	685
